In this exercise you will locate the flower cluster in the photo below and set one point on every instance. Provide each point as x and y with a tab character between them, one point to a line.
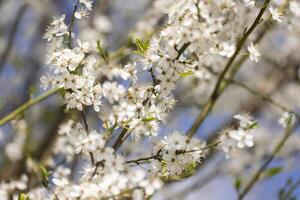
254	53
276	14
84	9
198	38
286	119
57	30
240	137
173	54
176	153
82	141
110	186
67	64
265	142
135	99
7	188
108	177
195	38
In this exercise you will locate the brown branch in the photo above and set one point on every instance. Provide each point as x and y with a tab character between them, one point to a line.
137	161
120	139
182	49
157	156
71	25
86	127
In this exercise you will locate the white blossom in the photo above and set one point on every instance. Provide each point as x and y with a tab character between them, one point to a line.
126	98
295	7
177	152
286	119
254	53
240	137
249	2
276	14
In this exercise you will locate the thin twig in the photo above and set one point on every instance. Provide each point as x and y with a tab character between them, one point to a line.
182	49
71	25
157	156
120	138
260	95
257	175
290	191
97	165
265	98
154	157
201	149
86	127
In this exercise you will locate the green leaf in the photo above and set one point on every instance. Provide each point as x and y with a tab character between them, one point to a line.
45	175
142	47
102	52
273	171
23	196
186	74
237	183
252	126
149	119
289	181
290	119
189	170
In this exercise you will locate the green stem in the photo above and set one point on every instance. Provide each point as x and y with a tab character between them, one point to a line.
290	191
28	104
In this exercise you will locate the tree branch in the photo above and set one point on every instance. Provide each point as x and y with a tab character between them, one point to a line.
260	95
120	139
71	25
157	156
289	192
257	175
265	98
28	104
218	88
